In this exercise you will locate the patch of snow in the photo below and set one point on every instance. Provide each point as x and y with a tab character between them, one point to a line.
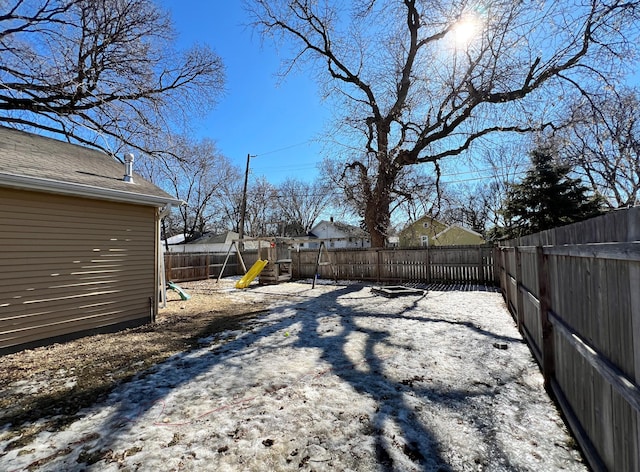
331	378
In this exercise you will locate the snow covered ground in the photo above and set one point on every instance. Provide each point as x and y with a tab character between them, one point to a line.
332	378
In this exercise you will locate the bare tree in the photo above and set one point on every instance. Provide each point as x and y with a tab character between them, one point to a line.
200	178
229	203
262	209
419	81
301	204
468	205
99	72
602	143
503	164
416	194
347	196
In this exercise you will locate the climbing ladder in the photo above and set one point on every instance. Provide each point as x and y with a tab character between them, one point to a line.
320	262
278	269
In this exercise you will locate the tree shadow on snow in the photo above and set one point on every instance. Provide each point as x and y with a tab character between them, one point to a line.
415	442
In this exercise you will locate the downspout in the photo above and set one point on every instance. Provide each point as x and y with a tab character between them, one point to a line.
161	279
164	231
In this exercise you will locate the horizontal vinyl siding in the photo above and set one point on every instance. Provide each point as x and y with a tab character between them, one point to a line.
70	265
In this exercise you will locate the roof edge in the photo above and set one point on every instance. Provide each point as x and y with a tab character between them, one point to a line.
82	190
475	233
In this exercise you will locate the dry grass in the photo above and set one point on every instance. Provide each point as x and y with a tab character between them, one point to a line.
57	381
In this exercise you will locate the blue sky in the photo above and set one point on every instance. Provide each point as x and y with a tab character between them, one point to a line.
281	121
261	114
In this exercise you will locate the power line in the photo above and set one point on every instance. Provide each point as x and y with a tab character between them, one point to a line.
284	148
268	167
338	193
490	170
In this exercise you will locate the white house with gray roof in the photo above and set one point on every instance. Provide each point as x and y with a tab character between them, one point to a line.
338	235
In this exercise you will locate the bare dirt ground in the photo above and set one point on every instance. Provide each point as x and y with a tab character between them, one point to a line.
59	380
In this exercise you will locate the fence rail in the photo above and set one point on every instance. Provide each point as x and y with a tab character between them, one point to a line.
182	267
456	264
575	294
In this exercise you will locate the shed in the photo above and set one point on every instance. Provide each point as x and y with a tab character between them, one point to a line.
79	242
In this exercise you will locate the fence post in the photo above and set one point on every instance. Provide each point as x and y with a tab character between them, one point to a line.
428	260
548	364
481	278
634	283
167	266
495	260
519	294
207	263
503	272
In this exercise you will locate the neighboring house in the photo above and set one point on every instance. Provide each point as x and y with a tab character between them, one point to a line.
173	241
207	243
338	235
79	243
456	235
421	232
393	241
428	231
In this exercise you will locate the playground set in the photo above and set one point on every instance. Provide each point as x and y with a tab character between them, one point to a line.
274	266
274	260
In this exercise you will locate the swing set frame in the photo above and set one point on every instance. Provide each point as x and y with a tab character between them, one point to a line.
273	241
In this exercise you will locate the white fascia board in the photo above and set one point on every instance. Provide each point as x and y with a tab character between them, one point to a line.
40	184
468	230
448	228
442	232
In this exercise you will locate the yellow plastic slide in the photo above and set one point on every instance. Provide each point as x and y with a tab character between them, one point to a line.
251	274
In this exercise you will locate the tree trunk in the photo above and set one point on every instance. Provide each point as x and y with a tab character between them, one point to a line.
377	216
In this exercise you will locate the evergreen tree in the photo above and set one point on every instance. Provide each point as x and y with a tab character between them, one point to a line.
546	198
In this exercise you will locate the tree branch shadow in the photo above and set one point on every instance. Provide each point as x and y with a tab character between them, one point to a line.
415	441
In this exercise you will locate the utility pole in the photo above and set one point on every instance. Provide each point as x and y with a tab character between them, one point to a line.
243	209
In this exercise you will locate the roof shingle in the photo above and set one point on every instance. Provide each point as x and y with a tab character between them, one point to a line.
29	155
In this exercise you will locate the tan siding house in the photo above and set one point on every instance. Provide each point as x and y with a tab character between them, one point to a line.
428	231
79	246
456	235
421	233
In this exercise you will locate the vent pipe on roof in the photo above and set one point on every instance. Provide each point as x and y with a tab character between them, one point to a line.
128	168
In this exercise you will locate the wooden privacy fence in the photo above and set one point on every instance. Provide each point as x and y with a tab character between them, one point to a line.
575	294
182	267
453	264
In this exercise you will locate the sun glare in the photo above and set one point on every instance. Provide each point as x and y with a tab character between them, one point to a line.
465	31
